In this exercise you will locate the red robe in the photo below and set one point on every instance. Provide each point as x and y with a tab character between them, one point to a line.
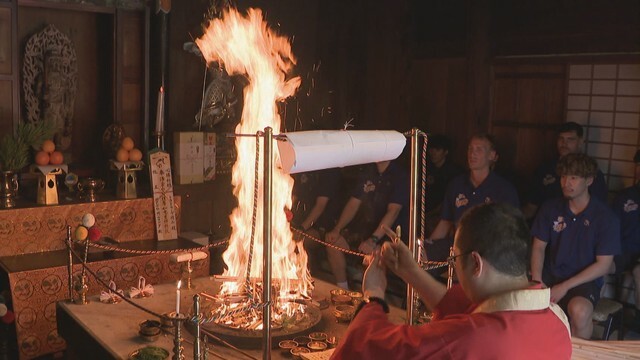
517	325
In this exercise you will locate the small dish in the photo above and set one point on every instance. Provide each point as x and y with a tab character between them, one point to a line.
344	313
287	345
302	340
296	351
318	336
317	345
332	341
342	300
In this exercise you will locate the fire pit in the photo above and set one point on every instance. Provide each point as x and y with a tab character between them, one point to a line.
238	316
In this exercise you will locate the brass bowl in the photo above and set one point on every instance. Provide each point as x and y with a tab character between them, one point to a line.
332	341
336	292
296	351
287	345
356	298
302	340
317	346
342	300
318	336
89	187
344	313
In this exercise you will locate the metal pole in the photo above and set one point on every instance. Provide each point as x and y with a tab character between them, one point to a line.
413	217
70	263
266	244
197	350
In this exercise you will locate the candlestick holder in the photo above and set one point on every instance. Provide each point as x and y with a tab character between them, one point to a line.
81	289
178	349
187	270
159	139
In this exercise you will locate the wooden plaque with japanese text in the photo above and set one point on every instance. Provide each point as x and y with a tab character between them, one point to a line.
162	186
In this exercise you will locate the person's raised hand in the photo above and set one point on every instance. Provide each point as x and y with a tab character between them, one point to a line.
374	282
398	258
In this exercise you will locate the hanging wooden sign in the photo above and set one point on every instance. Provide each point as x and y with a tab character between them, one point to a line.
162	186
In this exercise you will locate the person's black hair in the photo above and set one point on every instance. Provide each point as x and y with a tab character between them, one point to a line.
571	126
499	233
489	138
438	141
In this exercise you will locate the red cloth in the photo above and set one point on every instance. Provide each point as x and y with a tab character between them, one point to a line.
457	334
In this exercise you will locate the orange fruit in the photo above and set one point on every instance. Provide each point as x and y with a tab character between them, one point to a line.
122	155
42	158
56	158
127	143
135	155
48	146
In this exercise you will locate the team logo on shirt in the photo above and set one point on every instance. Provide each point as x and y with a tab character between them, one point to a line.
630	206
587	222
487	200
559	224
548	180
461	200
369	186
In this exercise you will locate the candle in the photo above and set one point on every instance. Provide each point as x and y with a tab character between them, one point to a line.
160	111
178	297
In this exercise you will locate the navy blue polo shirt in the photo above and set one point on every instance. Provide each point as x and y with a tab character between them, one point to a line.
461	195
625	206
546	185
377	191
574	240
308	186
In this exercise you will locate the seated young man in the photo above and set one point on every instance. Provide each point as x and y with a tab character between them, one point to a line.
381	198
493	313
574	241
625	206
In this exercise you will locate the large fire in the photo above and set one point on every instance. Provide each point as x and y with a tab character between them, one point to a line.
245	45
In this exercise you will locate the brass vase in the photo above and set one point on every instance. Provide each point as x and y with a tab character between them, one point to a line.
8	189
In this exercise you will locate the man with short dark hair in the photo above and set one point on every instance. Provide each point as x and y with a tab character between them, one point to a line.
625	205
546	182
493	313
582	235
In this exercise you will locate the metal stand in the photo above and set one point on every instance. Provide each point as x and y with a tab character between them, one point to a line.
187	270
159	139
413	220
178	349
266	244
80	286
69	242
197	350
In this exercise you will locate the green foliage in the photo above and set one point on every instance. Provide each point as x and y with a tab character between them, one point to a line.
14	149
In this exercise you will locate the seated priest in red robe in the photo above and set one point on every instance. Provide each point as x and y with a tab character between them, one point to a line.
493	313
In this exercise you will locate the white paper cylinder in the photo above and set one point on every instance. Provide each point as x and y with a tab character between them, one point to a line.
187	256
314	150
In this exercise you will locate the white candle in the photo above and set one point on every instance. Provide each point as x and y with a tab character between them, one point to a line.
178	297
160	111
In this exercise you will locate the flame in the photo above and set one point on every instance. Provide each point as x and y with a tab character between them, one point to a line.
244	45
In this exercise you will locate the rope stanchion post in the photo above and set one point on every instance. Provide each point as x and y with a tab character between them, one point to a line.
413	217
266	271
69	242
197	342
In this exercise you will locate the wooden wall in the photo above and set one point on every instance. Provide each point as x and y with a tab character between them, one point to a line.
455	67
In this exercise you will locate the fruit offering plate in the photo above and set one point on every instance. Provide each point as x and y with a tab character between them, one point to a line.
50	169
126	165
